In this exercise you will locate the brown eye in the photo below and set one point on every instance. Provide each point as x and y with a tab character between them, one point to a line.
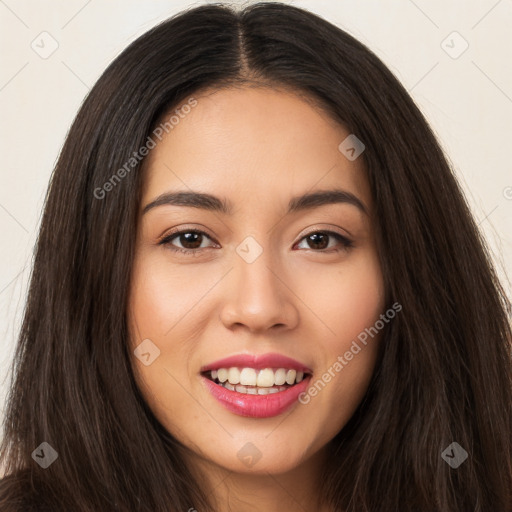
186	241
320	240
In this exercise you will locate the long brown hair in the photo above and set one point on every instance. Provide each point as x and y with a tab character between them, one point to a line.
444	373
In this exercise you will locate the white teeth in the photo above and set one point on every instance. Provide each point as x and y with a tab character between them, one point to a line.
248	377
290	377
234	375
222	374
229	386
280	377
241	389
262	391
265	378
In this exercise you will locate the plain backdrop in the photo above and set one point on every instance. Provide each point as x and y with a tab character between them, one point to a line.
452	56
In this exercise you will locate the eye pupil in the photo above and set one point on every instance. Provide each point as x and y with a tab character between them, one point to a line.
191	238
320	240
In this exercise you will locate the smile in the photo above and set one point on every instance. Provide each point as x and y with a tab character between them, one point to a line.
256	386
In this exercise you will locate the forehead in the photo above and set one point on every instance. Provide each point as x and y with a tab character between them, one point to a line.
253	145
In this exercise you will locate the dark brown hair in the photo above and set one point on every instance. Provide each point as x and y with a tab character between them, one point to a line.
444	371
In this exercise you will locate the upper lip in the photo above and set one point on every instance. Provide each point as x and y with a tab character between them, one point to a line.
258	362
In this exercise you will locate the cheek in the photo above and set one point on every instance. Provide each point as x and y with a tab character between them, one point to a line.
165	306
360	304
163	295
154	313
346	299
350	302
359	297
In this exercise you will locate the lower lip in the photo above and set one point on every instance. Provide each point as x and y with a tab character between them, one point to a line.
256	406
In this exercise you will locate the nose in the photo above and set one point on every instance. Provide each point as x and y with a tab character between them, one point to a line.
259	297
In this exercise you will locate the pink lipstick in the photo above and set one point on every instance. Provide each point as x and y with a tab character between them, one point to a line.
257	386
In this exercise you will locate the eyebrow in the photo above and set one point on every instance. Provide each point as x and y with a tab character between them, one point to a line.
212	203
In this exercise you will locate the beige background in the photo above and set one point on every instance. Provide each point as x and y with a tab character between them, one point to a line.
466	97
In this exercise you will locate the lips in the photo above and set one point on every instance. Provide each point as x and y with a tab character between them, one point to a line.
257	406
258	386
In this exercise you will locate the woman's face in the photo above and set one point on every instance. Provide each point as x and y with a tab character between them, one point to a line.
279	285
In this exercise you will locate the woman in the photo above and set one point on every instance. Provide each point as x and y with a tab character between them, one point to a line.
258	286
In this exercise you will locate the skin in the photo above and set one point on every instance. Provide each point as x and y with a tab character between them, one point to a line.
297	298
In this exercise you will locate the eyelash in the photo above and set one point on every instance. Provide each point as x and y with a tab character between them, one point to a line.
166	241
